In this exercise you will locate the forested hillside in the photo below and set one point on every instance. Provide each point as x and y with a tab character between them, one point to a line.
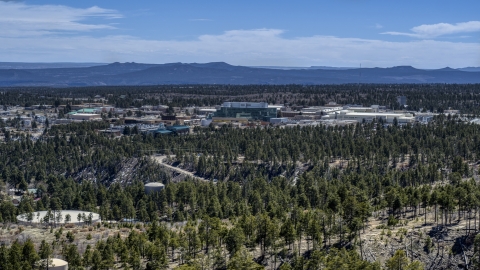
283	198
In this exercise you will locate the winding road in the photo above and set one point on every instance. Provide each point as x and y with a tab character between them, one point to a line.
161	159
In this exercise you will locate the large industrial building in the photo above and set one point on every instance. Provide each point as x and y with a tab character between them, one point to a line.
85	116
351	113
246	110
402	118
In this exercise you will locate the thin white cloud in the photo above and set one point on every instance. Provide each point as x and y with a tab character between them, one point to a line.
378	26
439	29
243	47
20	19
46	33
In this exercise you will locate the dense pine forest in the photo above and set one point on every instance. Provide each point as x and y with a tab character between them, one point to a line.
431	97
275	198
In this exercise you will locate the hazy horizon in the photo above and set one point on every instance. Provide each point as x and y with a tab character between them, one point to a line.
40	65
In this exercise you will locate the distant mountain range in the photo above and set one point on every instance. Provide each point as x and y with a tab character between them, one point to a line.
312	67
20	65
91	74
470	69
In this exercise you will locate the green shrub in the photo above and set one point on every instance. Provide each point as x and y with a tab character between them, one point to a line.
392	221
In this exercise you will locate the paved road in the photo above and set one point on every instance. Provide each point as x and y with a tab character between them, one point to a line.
161	159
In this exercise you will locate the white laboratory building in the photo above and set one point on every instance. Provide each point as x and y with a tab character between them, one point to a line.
387	117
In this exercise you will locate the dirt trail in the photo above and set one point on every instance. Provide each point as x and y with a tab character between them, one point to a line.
161	161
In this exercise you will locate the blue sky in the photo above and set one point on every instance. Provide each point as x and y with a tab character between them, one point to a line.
424	34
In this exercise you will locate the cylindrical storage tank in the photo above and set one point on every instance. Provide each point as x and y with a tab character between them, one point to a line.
54	264
58	264
153	187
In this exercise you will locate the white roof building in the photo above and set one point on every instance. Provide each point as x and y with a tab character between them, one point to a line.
402	118
85	116
245	104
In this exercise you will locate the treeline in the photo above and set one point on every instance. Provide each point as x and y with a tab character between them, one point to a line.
207	245
431	97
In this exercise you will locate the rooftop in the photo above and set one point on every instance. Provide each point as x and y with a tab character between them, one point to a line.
86	111
175	128
154	184
163	131
245	104
374	114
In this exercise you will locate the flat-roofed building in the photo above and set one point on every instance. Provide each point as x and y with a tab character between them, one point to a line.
373	108
178	129
87	111
279	120
248	110
289	113
206	110
85	116
402	118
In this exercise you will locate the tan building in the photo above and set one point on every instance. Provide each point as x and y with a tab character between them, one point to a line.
85	116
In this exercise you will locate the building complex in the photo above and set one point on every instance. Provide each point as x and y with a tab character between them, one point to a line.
245	110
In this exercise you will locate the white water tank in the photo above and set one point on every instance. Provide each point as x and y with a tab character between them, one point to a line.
54	264
153	187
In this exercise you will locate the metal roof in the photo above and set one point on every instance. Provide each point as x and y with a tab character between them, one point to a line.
86	111
176	128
